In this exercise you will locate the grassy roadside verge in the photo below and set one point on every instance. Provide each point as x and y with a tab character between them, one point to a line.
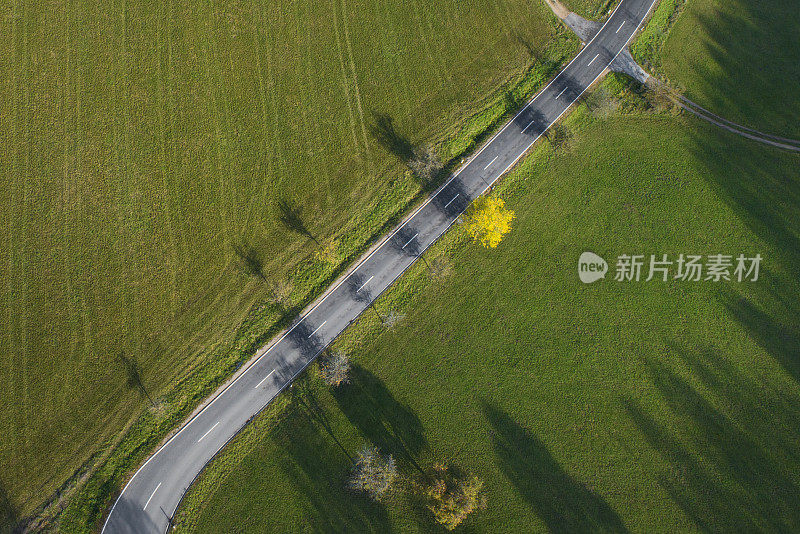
647	47
592	10
100	480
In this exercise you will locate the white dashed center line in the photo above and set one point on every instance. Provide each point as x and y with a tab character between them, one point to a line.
451	200
561	93
490	163
317	329
592	61
410	240
529	125
365	283
620	27
151	496
264	379
207	433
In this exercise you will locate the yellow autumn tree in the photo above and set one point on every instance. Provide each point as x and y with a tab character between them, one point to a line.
452	495
487	221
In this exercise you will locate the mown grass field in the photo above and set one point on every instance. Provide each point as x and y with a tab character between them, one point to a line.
643	407
649	407
144	149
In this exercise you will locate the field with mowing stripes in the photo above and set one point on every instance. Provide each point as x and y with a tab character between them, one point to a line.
148	154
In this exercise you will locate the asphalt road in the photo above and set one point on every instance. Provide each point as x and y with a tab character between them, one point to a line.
149	500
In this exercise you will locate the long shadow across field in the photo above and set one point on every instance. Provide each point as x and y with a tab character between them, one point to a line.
319	471
8	512
563	503
383	420
763	189
760	184
732	469
753	73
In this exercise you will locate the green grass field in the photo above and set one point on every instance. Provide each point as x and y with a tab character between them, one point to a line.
145	147
644	407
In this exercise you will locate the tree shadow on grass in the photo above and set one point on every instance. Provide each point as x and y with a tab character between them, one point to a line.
291	218
764	191
319	470
250	262
133	376
563	503
733	470
9	517
762	187
384	131
381	419
763	322
753	49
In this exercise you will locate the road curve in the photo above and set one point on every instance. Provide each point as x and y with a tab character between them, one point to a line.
152	495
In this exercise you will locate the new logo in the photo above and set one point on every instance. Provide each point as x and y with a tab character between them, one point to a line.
591	267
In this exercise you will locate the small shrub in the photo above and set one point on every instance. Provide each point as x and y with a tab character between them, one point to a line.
373	472
335	369
452	495
425	165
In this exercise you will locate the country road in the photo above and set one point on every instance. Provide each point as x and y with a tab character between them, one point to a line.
152	495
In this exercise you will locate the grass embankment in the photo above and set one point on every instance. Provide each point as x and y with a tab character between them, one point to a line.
646	406
146	147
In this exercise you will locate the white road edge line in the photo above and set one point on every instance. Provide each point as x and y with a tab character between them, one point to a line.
367	282
151	497
561	93
209	432
380	245
445	207
490	163
620	27
592	61
410	240
264	379
317	329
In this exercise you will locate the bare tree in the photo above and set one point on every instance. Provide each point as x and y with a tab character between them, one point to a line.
392	318
373	472
440	267
335	369
282	292
425	165
559	135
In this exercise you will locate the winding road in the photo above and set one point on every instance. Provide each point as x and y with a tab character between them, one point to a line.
152	495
